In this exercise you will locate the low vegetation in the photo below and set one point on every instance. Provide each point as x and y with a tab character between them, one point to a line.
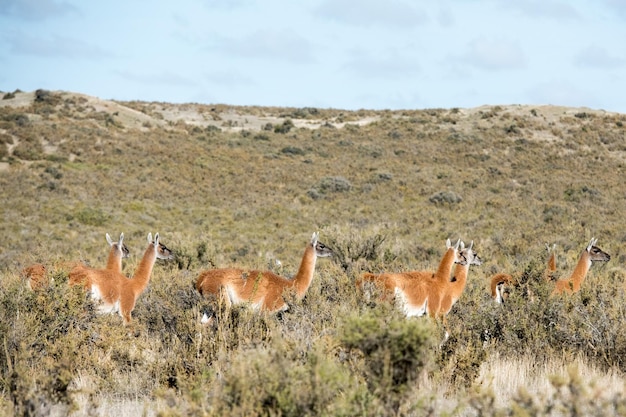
385	190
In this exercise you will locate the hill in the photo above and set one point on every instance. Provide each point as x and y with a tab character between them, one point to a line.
228	185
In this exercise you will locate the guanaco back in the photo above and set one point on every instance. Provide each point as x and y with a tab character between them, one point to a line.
263	290
590	254
37	274
118	251
418	292
118	293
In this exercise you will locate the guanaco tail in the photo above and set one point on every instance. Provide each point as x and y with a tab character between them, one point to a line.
418	292
262	290
590	254
117	293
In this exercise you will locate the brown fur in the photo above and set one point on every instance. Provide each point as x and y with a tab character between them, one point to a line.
418	291
114	290
500	286
550	273
79	273
262	289
589	255
454	288
36	276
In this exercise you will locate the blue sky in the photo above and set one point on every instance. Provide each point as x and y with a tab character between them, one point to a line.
348	54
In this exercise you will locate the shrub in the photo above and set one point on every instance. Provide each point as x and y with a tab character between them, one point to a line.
445	198
274	381
395	351
348	249
334	185
292	150
90	216
285	127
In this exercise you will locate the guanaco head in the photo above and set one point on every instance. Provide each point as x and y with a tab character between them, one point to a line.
162	252
321	250
469	255
500	293
595	253
458	257
119	245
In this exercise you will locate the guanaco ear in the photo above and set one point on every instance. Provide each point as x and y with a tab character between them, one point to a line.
121	239
156	239
471	244
149	237
592	243
109	240
462	245
314	238
458	242
448	244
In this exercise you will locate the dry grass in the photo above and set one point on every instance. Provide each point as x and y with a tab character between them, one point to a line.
246	186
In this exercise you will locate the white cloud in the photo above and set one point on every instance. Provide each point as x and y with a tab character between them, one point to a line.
35	9
390	13
392	64
542	8
225	4
445	17
617	6
562	93
230	78
55	47
598	57
494	55
284	45
162	78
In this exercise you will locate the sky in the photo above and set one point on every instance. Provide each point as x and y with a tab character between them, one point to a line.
342	54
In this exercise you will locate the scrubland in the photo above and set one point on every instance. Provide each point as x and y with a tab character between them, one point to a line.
246	186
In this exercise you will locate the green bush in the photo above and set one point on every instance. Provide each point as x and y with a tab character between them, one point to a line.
395	351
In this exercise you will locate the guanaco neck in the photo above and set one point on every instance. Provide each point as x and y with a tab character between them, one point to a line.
497	281
304	277
581	270
460	276
496	292
445	266
144	270
552	263
114	262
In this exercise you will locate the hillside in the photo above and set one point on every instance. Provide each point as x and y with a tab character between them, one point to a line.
227	185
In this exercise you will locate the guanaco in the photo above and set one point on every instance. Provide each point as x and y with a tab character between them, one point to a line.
551	266
36	275
117	293
418	292
263	290
590	254
117	252
500	286
454	289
